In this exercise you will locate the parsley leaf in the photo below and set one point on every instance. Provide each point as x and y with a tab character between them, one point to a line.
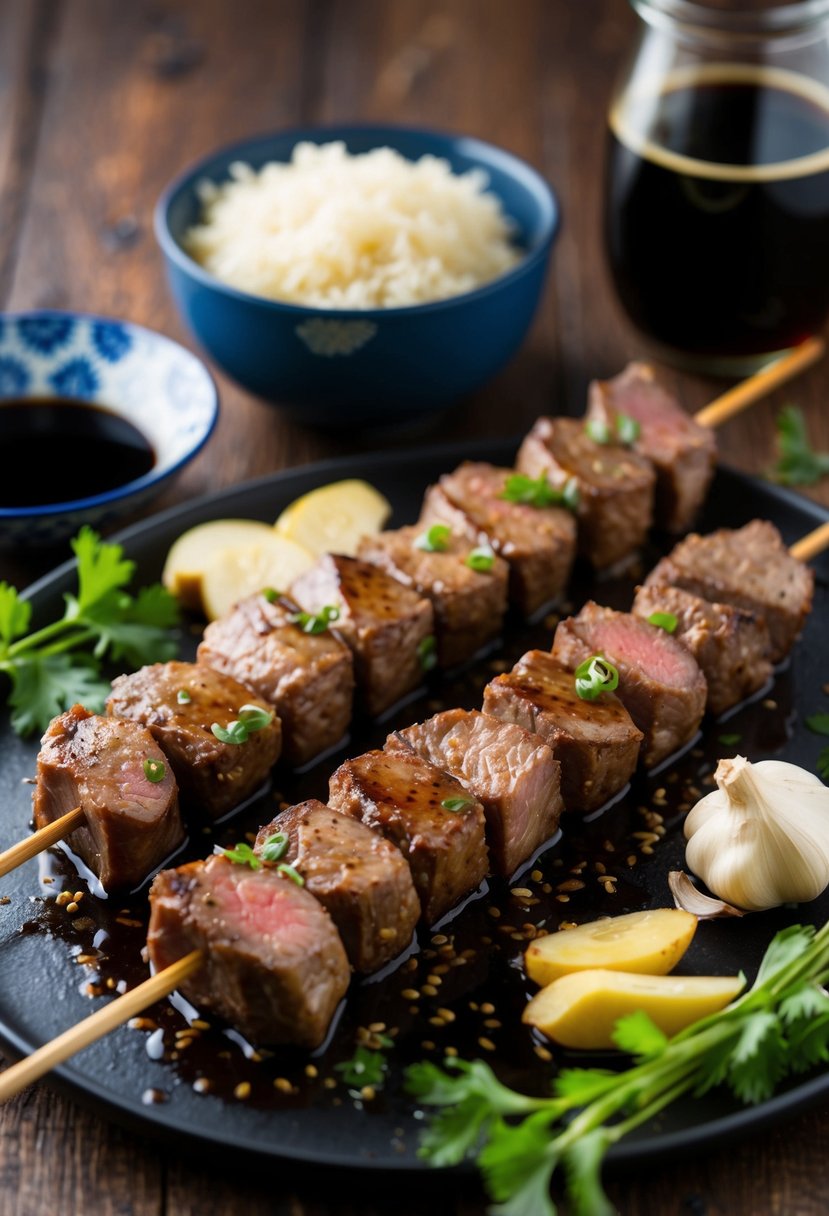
823	764
818	723
797	463
583	1166
364	1068
102	621
637	1034
517	1163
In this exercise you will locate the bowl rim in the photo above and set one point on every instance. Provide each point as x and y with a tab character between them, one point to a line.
519	168
138	484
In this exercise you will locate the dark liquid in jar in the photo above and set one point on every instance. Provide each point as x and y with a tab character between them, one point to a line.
725	252
58	450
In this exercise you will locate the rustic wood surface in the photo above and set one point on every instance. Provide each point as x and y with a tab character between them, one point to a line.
102	104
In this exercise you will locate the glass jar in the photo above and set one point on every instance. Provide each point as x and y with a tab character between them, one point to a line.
717	180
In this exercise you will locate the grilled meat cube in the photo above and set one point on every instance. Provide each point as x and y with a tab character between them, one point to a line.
385	624
308	677
274	965
213	777
511	772
660	683
730	644
748	567
595	742
682	452
404	797
469	605
358	876
615	484
132	821
538	543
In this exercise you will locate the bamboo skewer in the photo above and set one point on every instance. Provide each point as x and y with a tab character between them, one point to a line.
811	544
113	1015
765	381
40	840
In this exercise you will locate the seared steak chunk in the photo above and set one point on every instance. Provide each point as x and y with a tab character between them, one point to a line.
358	876
179	703
615	484
595	742
469	605
730	644
539	543
307	677
749	567
511	772
274	965
385	624
132	817
660	683
431	818
682	452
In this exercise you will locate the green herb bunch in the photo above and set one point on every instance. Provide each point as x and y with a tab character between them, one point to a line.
778	1027
60	664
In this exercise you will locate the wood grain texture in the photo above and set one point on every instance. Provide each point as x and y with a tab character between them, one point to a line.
103	103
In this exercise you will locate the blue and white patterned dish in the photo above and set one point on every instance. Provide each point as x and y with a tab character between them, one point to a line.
161	388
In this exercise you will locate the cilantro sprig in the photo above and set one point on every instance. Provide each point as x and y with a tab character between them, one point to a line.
819	725
798	464
778	1027
59	664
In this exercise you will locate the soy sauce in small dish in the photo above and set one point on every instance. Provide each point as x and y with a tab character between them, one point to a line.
56	449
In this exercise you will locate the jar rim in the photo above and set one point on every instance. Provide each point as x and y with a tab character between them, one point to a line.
781	19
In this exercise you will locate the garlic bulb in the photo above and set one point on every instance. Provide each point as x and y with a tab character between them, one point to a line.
762	838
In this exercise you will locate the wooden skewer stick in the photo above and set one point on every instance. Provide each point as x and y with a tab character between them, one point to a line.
811	544
761	383
40	840
113	1015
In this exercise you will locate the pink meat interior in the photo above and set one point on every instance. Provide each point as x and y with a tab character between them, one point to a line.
646	647
262	906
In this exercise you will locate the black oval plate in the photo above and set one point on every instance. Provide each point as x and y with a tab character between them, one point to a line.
44	989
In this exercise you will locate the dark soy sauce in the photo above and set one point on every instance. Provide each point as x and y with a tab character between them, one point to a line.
717	220
58	450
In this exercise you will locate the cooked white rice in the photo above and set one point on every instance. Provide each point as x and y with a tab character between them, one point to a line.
366	231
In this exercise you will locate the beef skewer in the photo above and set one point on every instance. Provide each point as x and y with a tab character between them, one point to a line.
167	980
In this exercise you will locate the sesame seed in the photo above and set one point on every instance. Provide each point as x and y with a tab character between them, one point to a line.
200	1024
494	912
429	990
572	884
536	876
427	1045
487	1008
437	1021
542	1052
492	1024
386	934
201	1085
521	892
242	1090
439	939
368	1092
311	1071
283	1085
563	899
410	994
377	1027
447	1015
487	1044
72	907
329	1083
450	1051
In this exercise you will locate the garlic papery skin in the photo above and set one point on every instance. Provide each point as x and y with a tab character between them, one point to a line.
761	839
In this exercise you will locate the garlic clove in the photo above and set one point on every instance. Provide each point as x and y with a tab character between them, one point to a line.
761	838
690	899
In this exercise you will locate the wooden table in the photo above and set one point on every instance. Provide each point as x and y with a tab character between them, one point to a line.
103	102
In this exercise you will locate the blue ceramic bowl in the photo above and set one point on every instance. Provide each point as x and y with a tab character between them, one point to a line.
341	368
161	388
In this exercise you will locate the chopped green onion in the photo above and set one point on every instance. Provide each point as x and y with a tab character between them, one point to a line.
275	847
595	676
456	804
234	732
531	491
155	770
365	1068
664	620
537	492
598	430
270	594
730	740
255	717
291	873
315	622
570	497
435	539
242	855
628	429
183	697
427	652
481	559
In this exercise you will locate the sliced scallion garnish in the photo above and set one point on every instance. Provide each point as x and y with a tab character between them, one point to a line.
435	539
595	676
664	620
